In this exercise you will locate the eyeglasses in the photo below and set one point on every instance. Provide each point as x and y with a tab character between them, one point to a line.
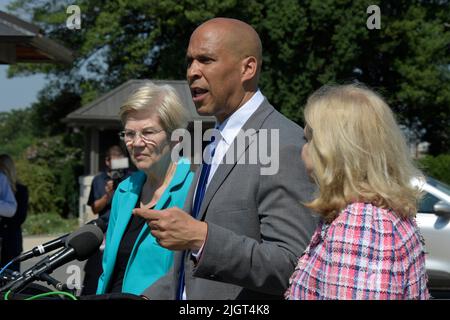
147	135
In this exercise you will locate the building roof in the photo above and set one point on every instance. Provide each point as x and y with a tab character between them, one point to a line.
104	111
21	41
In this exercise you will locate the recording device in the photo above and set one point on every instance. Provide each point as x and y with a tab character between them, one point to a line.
79	245
119	169
58	242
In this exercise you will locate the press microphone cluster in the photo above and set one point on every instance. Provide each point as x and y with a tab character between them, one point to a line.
78	245
56	243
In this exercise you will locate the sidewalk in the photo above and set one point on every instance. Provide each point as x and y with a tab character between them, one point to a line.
29	242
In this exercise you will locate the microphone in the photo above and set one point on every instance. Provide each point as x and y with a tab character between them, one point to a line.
56	243
79	245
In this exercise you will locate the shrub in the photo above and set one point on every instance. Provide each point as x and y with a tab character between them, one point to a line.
40	181
437	167
48	223
50	168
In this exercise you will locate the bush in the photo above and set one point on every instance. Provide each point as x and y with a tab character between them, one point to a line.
437	167
41	184
48	223
50	169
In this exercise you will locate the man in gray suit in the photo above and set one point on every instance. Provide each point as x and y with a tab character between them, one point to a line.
241	238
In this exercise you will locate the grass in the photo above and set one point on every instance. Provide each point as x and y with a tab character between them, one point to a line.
49	224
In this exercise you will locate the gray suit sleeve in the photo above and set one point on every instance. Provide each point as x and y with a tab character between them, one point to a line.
285	227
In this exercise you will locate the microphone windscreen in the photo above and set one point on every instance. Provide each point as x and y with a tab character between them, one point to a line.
85	241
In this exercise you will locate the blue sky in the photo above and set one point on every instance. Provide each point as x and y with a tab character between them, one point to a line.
17	92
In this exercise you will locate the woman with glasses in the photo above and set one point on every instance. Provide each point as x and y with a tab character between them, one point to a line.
368	245
133	259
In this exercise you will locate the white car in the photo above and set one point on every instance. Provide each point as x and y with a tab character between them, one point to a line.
433	218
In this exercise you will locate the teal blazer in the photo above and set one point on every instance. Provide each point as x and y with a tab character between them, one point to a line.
148	260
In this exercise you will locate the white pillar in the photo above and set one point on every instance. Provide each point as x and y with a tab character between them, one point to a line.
85	211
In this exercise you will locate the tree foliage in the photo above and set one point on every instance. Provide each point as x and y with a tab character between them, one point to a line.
49	167
16	131
437	167
306	44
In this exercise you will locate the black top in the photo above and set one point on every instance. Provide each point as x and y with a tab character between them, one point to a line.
123	254
98	191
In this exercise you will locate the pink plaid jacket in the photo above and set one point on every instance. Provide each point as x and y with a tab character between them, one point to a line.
365	253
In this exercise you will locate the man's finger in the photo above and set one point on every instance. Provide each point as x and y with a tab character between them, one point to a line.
152	225
147	214
156	233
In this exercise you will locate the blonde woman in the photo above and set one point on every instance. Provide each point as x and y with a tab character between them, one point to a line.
368	245
10	227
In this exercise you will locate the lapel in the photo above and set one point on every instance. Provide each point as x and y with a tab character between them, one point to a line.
161	204
223	170
181	172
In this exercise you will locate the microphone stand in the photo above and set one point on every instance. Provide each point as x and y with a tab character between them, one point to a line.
43	277
55	283
27	276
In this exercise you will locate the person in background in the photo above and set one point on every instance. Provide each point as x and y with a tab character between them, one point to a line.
100	196
8	204
368	245
10	227
133	259
102	189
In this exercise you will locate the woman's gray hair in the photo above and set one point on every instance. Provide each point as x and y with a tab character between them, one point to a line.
163	99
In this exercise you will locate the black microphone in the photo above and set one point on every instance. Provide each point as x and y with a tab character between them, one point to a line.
56	243
79	245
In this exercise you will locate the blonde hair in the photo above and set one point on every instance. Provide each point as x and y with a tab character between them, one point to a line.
163	99
358	152
9	170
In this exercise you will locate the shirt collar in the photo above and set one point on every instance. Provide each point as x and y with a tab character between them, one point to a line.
229	129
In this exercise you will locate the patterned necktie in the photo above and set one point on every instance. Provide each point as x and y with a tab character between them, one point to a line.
202	183
199	194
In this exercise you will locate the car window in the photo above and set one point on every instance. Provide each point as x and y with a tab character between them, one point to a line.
439	185
427	203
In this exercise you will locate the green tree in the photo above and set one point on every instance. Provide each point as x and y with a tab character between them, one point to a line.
437	167
16	131
41	183
49	166
61	165
306	44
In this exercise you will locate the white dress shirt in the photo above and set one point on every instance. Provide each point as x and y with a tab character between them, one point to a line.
228	129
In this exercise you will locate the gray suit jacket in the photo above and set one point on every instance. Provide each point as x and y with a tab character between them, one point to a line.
257	226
